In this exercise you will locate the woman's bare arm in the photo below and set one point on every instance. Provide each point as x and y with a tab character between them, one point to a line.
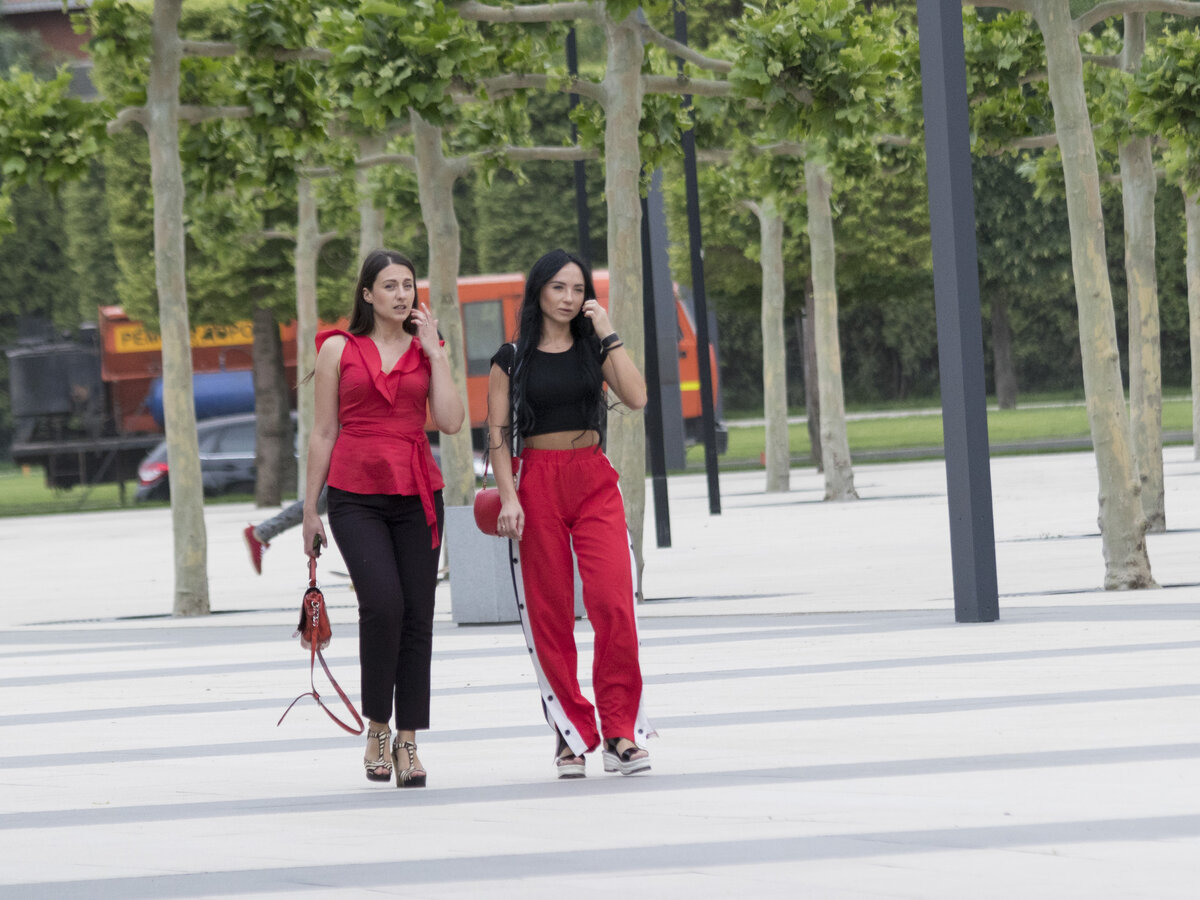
322	437
512	517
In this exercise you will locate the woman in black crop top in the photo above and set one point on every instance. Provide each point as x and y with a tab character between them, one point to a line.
546	408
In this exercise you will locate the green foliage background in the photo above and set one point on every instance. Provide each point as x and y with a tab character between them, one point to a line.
91	243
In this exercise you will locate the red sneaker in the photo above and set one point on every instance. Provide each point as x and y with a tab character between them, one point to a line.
256	548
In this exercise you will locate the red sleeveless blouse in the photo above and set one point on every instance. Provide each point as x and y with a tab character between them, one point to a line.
382	447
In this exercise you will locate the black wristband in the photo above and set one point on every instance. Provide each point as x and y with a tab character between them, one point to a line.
607	342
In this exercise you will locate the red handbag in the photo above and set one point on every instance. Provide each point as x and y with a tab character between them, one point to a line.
315	634
314	627
487	507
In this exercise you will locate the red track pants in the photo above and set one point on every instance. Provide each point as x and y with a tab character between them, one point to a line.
571	501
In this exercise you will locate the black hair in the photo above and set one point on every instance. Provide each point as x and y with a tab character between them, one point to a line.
362	319
529	333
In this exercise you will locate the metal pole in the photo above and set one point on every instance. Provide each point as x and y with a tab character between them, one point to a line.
708	420
654	404
581	202
959	325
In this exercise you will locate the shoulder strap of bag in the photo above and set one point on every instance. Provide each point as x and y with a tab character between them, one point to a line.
515	445
314	655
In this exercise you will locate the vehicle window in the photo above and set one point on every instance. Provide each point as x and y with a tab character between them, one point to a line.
208	439
483	323
237	438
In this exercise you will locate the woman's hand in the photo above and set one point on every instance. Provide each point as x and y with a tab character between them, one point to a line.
427	330
599	316
314	535
511	522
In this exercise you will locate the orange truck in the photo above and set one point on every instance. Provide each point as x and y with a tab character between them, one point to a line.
85	409
88	410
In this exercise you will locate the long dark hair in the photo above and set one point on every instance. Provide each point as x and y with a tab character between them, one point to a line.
362	319
529	333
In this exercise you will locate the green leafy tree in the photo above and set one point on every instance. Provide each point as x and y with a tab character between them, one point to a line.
732	270
1165	101
91	258
1130	153
418	67
1122	522
230	275
1025	280
38	119
885	287
47	136
825	75
153	97
36	292
615	103
520	213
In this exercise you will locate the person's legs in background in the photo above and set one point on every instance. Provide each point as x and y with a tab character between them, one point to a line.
258	537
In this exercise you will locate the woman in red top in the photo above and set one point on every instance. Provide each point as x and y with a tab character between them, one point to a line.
373	384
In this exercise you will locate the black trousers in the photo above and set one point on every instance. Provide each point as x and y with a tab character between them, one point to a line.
386	544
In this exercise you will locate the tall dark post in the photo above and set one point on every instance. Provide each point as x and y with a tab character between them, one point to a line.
581	203
959	326
654	404
708	417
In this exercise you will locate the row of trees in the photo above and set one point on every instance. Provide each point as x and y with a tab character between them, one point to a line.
837	85
59	264
264	118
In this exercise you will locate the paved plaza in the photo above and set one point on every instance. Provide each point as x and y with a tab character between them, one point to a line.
826	730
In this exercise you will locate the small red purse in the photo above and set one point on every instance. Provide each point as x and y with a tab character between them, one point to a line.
315	634
314	622
487	507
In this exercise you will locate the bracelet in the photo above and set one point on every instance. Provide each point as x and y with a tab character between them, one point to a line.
607	342
611	347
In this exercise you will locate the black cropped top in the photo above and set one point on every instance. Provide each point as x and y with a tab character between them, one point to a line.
556	387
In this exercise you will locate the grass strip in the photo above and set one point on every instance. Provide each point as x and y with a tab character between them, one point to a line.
904	432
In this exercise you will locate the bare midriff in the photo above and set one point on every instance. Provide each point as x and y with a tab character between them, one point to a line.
562	440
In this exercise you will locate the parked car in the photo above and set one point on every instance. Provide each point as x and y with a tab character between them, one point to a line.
226	459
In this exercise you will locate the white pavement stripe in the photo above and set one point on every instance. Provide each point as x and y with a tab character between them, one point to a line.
827	730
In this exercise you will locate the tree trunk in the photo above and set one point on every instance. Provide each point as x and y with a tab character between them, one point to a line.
166	176
274	461
1122	524
1191	211
435	180
622	171
1003	369
774	365
1138	186
812	387
371	216
835	446
308	245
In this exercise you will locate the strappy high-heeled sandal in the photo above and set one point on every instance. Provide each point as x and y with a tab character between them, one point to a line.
409	776
383	762
567	763
629	761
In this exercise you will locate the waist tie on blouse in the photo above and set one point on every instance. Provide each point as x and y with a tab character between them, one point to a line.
419	462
